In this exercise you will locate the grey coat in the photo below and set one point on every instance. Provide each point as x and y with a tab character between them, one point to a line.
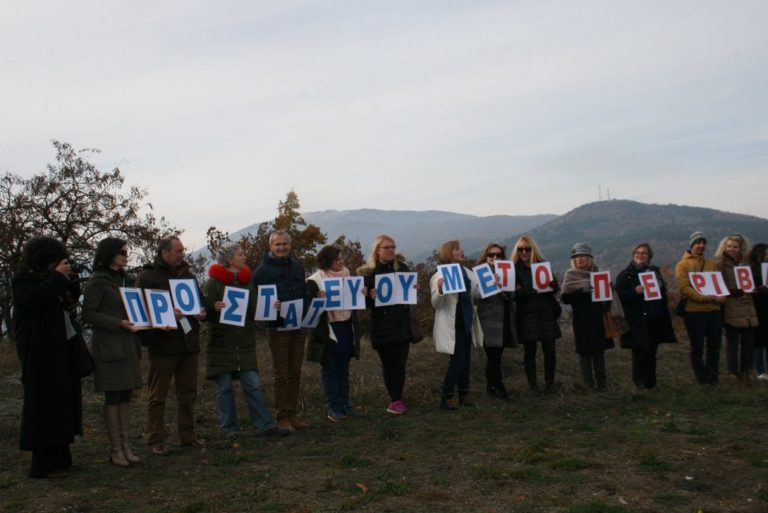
116	351
496	314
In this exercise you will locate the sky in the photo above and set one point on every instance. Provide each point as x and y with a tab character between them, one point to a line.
218	109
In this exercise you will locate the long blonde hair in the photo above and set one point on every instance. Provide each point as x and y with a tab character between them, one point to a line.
536	255
590	263
743	247
373	257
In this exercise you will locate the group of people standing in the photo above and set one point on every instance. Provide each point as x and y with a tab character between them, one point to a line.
54	357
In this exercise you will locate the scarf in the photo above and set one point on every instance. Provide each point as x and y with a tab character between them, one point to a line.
337	315
575	279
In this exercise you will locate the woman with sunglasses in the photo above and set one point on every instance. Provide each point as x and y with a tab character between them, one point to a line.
115	345
537	314
496	313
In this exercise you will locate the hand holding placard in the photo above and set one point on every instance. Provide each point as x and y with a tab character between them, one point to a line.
650	284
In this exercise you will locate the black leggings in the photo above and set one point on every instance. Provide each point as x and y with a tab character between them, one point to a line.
115	397
393	360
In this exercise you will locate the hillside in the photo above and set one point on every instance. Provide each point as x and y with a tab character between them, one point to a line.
613	227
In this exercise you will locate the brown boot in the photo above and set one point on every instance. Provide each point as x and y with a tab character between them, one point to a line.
112	418
297	423
285	423
125	432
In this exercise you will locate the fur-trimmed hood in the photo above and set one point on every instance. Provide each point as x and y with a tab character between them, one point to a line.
227	277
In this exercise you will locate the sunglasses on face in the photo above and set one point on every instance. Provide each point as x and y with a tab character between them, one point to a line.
387	247
495	255
523	250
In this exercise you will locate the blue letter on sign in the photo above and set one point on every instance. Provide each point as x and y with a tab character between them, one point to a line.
234	296
136	307
486	279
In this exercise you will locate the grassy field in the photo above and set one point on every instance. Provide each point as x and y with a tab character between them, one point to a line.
679	448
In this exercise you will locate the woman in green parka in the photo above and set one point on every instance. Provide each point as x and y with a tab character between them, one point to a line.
231	351
115	345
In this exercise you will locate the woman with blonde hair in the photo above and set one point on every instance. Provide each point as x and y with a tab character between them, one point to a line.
496	314
456	325
537	313
739	314
391	324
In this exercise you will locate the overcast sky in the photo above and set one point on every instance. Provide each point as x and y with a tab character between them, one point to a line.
511	107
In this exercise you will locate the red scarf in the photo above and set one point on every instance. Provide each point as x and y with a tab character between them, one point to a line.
227	277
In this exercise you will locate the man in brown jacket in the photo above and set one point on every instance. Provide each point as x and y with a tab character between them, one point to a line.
173	353
702	313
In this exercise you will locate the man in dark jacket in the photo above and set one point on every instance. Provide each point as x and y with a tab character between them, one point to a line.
173	354
287	347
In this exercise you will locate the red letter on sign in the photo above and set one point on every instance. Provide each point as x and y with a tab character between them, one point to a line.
744	279
651	286
504	268
542	275
601	286
698	281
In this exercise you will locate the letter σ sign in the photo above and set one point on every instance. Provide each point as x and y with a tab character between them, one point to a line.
235	306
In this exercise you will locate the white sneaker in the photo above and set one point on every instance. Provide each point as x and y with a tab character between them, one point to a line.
763	376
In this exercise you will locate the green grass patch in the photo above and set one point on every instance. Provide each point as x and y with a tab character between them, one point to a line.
395	489
350	460
570	464
650	462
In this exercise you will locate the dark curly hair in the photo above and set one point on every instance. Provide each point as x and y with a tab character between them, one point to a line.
40	252
106	251
326	256
756	255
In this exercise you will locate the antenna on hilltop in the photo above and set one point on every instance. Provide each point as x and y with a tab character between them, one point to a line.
600	193
609	193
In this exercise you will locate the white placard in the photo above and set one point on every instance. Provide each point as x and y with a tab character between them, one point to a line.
744	279
186	297
601	286
650	283
292	313
160	308
453	280
505	270
486	280
135	307
354	297
235	306
265	303
316	308
708	283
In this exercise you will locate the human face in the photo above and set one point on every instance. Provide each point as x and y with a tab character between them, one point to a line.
120	260
175	255
457	254
386	251
280	246
524	252
699	247
641	256
237	261
733	249
581	261
495	253
338	263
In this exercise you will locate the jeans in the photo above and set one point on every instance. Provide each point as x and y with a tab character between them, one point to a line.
740	347
457	374
760	359
335	374
261	418
701	327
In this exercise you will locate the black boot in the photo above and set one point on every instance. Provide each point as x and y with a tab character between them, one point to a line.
464	399
447	404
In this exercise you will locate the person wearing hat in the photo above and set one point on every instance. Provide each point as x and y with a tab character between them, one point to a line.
588	329
702	313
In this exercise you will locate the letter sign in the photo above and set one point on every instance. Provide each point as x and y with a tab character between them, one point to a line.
453	280
744	279
292	314
354	298
542	276
265	303
406	288
651	289
485	280
385	289
235	306
185	296
160	308
708	283
601	286
505	270
135	307
334	293
316	308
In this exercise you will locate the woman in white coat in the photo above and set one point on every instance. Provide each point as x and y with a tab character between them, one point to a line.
456	325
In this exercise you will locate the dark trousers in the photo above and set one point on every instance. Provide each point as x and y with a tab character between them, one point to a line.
182	369
457	374
493	375
287	348
550	361
705	327
740	347
644	366
393	360
594	361
335	374
116	397
49	458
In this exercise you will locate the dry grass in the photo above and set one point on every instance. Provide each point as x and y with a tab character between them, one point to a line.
679	448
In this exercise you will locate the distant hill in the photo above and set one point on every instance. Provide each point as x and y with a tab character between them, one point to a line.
417	233
613	227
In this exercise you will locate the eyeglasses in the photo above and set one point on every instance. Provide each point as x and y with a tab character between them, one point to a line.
387	247
495	255
522	249
641	253
123	252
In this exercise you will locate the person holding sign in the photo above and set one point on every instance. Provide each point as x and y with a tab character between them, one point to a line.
115	345
739	315
391	334
336	339
231	348
758	261
49	348
456	324
643	295
496	314
702	313
537	312
286	338
588	328
173	353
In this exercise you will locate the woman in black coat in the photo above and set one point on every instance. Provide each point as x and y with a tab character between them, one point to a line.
48	345
588	329
649	321
757	256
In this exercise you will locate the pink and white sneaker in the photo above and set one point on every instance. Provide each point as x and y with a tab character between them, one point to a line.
396	408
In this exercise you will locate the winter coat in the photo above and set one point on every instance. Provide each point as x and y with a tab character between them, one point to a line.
287	274
739	308
760	297
444	331
537	312
496	314
389	324
639	313
116	351
51	413
156	276
691	263
588	328
228	348
321	339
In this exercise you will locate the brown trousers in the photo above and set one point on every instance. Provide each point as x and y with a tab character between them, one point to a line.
182	368
287	357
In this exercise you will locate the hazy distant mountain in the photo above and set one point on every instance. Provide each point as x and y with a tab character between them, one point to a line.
613	227
417	233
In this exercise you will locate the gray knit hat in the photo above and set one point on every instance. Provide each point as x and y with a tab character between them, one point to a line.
581	248
697	235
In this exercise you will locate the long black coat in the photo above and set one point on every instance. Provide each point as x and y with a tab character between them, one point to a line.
761	305
50	364
537	312
389	324
649	321
588	329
